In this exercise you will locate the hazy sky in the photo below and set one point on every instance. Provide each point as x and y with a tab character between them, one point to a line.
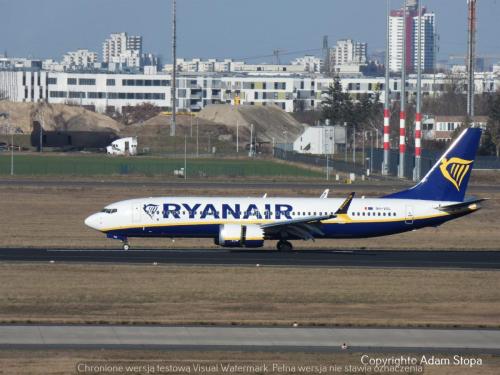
226	28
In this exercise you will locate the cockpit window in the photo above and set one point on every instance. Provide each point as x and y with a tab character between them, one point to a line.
109	210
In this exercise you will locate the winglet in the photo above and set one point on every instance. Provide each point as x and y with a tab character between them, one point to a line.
325	194
344	207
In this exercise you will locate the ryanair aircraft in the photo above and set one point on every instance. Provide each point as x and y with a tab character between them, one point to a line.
248	222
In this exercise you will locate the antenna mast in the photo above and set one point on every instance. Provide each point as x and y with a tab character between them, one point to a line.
174	65
471	55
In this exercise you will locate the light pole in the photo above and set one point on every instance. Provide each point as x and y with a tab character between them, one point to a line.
354	145
371	151
345	142
197	138
6	116
237	136
11	150
185	156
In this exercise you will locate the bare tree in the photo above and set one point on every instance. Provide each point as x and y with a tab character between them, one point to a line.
133	114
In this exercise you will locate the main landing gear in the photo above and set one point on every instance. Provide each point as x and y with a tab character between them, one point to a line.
126	245
283	245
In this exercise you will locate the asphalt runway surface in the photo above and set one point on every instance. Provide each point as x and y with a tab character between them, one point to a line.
248	338
304	258
205	184
264	185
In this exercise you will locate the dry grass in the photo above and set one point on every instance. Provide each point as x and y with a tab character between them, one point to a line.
58	362
131	294
53	217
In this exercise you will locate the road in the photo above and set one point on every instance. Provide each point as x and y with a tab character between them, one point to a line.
249	338
389	185
305	258
194	184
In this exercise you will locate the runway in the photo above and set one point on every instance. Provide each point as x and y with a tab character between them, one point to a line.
304	258
248	338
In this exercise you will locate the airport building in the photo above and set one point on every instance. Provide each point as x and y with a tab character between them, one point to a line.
104	90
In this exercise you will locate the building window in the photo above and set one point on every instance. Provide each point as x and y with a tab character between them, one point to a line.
71	81
86	82
76	95
110	82
51	81
58	94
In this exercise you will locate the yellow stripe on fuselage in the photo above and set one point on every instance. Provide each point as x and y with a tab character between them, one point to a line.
345	219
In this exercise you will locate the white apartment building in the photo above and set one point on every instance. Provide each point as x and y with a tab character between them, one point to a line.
396	36
348	52
121	48
82	58
309	63
306	64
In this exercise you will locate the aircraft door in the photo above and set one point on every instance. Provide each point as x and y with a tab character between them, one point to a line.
409	215
136	213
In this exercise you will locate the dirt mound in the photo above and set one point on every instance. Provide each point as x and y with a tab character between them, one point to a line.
269	121
56	117
160	125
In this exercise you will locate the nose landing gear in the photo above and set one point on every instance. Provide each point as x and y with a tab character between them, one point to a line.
283	245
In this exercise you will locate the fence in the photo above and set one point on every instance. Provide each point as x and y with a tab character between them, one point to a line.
429	158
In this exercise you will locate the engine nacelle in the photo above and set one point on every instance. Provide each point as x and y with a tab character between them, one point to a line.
236	235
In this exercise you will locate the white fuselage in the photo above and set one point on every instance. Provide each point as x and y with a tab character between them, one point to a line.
200	216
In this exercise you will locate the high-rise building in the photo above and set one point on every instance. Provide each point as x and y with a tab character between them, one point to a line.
122	49
82	58
348	51
397	35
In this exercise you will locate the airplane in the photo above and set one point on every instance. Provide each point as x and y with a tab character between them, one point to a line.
248	222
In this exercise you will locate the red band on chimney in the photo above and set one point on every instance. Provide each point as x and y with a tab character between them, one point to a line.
418	133
402	131
402	115
387	113
418	117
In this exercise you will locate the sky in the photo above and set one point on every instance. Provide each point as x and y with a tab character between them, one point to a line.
239	29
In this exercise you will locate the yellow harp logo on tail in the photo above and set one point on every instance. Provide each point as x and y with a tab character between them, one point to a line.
454	170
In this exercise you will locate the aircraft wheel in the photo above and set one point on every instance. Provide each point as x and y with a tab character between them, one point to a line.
126	246
284	246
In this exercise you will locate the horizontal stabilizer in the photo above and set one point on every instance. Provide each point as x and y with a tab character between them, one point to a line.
462	206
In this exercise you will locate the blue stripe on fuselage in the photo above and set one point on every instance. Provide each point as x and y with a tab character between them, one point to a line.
331	230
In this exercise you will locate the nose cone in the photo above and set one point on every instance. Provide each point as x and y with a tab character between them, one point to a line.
93	221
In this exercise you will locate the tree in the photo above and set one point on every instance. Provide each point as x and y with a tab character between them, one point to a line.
337	106
494	122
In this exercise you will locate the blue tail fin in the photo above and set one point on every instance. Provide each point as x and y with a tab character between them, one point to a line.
448	178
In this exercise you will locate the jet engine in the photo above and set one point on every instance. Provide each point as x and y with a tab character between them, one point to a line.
236	235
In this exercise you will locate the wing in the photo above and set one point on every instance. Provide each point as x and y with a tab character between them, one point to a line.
307	227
